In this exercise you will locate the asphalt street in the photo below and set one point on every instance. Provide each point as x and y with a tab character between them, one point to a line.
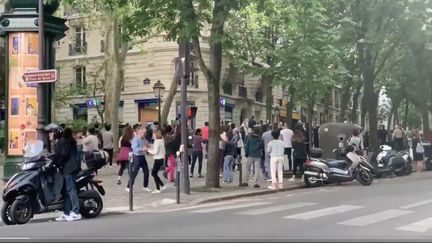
389	209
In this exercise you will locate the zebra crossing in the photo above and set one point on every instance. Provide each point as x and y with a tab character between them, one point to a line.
305	211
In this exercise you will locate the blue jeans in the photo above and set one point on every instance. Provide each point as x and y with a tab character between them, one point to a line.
71	202
228	175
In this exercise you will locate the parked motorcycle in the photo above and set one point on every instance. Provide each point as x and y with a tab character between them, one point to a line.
354	167
389	161
37	188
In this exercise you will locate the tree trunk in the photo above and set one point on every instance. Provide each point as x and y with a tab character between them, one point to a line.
356	95
363	111
172	92
344	103
426	129
289	113
310	112
267	79
406	114
114	73
390	118
371	101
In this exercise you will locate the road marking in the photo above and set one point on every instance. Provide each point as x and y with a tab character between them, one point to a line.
375	218
217	209
323	212
419	226
278	208
409	206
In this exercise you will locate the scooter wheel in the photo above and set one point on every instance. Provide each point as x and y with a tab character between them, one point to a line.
91	207
312	181
21	211
5	213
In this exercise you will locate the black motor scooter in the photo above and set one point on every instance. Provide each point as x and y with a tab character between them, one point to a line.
37	188
389	162
354	167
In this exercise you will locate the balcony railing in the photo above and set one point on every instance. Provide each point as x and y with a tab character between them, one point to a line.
77	49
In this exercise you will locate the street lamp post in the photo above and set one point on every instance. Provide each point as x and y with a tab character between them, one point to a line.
159	90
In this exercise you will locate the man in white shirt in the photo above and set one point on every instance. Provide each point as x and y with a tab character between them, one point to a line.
287	135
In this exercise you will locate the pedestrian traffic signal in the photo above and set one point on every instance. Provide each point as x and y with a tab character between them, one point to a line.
192	112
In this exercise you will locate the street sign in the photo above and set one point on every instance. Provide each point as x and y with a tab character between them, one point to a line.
93	103
40	76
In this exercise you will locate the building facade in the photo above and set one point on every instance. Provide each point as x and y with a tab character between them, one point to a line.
80	55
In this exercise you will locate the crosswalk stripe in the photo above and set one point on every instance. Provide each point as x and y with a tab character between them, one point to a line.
417	204
278	208
419	226
217	209
375	218
323	212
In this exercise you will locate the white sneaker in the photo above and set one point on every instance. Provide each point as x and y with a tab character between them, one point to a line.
73	217
127	189
156	192
269	180
146	189
291	179
164	188
63	217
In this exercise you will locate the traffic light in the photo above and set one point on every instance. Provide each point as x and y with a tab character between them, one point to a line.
192	112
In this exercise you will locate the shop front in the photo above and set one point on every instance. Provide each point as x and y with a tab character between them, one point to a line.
147	110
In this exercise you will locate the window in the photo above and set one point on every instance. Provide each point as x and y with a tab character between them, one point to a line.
80	77
79	47
80	112
102	50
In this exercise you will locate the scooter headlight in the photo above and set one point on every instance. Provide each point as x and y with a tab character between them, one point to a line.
27	166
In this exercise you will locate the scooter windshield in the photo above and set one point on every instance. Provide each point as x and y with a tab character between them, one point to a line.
33	149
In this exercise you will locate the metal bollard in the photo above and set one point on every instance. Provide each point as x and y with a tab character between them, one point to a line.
130	182
240	166
177	179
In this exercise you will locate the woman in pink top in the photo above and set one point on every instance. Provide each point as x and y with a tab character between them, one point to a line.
205	136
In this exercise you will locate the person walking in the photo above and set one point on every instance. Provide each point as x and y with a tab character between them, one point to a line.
230	153
267	138
418	151
252	122
356	142
139	159
172	145
125	148
253	152
276	149
382	135
65	154
158	152
287	136
300	155
197	153
108	142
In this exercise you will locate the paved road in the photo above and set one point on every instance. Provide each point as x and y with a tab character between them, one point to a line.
397	209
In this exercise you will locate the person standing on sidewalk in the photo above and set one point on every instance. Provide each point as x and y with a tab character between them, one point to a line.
205	137
197	153
300	155
230	153
418	151
65	154
287	136
267	138
158	152
139	159
276	149
253	152
398	138
108	142
125	148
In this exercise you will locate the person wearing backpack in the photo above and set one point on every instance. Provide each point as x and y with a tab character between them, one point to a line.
418	151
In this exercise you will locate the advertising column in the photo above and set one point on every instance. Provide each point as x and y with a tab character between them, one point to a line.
23	50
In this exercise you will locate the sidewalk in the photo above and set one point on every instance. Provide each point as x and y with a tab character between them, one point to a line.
117	198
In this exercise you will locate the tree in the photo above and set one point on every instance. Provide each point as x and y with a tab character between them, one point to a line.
378	34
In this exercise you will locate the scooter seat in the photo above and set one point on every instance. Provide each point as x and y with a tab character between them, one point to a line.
83	172
341	164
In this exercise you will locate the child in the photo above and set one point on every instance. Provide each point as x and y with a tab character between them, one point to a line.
158	152
276	149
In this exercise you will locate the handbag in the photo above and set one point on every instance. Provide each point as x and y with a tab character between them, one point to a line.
124	154
420	148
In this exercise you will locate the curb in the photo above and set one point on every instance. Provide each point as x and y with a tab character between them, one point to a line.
248	194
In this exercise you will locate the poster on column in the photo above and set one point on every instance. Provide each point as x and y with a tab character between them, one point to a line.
22	98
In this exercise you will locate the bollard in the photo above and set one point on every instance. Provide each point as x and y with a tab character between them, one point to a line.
240	165
130	182
177	179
